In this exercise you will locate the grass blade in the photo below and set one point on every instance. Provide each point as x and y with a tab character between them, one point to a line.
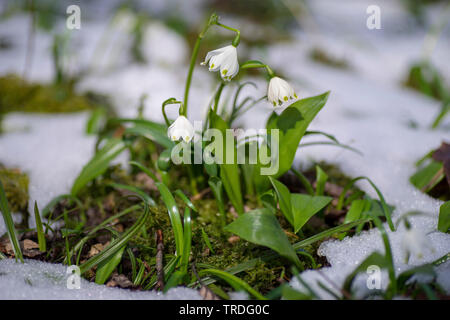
39	229
136	190
233	281
187	240
386	210
174	215
98	164
9	223
117	243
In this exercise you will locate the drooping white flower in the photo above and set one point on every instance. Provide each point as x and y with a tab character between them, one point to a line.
223	59
181	128
414	242
279	91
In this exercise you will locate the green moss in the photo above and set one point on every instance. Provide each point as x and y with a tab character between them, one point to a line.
16	188
16	95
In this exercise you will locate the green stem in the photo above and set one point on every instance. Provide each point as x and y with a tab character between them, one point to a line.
217	98
237	39
212	20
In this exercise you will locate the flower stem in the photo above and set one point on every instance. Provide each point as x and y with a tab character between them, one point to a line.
212	20
237	39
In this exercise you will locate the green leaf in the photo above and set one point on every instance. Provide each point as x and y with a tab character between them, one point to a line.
252	64
9	223
187	240
235	282
304	181
94	123
329	233
321	179
216	187
444	217
185	199
174	216
98	164
305	206
117	243
56	200
428	177
39	229
229	173
164	161
386	209
207	242
144	169
290	293
102	225
426	269
107	266
261	227
292	123
356	209
150	130
136	190
175	279
375	258
269	201
284	198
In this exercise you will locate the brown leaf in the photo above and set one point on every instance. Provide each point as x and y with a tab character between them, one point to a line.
443	155
207	294
233	239
96	249
119	280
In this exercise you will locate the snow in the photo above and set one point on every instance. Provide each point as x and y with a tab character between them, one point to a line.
36	280
367	109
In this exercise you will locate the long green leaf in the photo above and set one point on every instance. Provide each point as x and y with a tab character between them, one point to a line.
117	243
187	240
144	169
261	227
98	164
321	179
150	130
356	209
428	177
233	281
444	217
386	210
374	259
136	190
39	229
229	172
107	266
9	223
174	215
102	225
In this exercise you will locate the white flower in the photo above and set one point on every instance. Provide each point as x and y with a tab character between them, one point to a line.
414	242
279	91
224	59
181	128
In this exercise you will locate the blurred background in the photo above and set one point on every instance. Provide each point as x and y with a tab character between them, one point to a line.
144	47
389	86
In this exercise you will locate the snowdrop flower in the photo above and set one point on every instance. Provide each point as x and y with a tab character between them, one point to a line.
224	59
414	243
181	128
279	91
